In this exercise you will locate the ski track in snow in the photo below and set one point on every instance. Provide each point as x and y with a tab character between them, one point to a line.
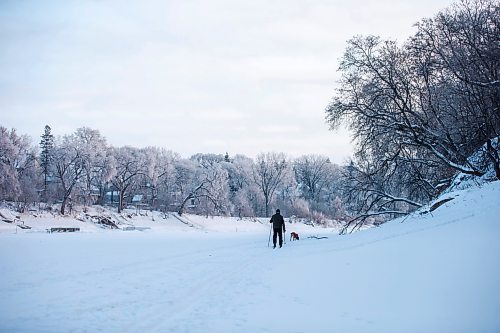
185	308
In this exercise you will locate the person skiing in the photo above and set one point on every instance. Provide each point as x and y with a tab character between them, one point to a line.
278	223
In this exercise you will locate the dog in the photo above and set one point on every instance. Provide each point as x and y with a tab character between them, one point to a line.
294	236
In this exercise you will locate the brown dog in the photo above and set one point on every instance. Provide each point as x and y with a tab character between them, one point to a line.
294	236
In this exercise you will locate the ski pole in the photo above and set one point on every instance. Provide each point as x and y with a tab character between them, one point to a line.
269	240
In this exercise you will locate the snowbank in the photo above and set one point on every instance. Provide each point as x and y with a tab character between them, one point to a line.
99	219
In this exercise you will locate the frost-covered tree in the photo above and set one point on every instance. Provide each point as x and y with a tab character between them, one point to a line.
103	172
30	182
457	56
438	93
418	110
184	177
239	170
208	185
19	169
373	190
268	173
160	174
313	174
331	190
69	167
9	184
242	202
287	196
96	161
130	164
207	160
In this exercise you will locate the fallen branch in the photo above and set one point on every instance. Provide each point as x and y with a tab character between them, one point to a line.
317	237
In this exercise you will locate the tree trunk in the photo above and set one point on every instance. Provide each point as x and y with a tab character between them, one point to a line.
183	204
267	204
120	201
102	194
493	154
63	205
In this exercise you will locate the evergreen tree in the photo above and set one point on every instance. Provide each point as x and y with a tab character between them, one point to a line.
47	145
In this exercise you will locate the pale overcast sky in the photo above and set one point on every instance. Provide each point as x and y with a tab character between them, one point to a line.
192	76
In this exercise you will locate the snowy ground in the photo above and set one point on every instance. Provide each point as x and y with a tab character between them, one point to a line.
437	272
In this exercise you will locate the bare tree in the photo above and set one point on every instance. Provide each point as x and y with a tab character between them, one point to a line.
313	173
17	159
375	189
457	55
239	170
68	166
210	184
159	173
287	195
268	172
419	110
96	162
380	99
129	166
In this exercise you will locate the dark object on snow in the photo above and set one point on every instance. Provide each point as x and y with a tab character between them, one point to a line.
278	227
439	203
294	236
317	237
63	229
103	221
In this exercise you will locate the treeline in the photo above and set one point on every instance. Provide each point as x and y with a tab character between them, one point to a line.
417	111
420	109
81	168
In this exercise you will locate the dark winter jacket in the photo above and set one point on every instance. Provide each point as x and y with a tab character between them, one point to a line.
278	221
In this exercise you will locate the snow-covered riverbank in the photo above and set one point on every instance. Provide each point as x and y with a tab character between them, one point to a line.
436	272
